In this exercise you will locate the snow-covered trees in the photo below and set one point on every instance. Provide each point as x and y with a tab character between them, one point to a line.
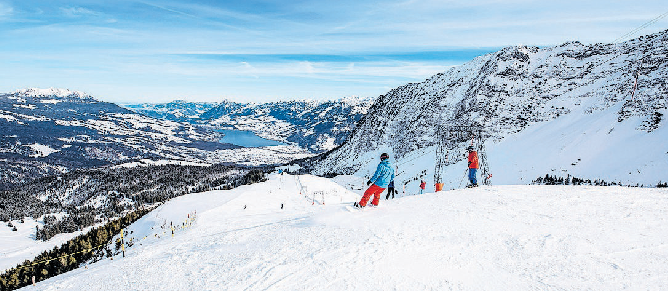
149	185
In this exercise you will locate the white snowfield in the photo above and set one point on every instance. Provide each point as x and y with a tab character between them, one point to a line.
487	238
20	245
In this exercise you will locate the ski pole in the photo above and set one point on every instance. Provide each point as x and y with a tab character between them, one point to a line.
460	182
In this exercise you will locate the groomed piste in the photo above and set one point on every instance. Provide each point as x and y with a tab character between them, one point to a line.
276	236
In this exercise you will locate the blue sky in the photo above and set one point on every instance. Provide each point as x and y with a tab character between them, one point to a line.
158	51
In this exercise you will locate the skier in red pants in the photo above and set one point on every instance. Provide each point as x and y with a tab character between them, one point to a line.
380	180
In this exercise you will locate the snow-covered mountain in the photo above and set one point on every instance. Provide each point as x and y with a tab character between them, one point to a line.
275	236
570	109
178	110
54	93
314	125
49	131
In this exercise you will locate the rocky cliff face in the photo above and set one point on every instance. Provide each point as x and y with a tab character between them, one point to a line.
508	91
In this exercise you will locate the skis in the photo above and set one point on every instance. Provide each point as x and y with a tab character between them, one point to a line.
353	208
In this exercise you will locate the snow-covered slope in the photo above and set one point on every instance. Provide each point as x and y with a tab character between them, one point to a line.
569	109
588	146
18	246
489	238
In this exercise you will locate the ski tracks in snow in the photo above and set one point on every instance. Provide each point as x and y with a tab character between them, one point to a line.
487	238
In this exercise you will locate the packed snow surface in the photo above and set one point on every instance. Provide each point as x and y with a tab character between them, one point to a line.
486	238
20	245
41	150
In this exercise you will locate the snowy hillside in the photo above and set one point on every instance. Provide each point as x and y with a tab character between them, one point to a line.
564	110
488	238
18	246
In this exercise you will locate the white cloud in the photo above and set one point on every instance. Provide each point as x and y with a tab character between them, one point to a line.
306	67
146	51
5	10
78	12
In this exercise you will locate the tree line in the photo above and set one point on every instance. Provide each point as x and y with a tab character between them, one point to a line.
571	180
87	197
97	243
89	247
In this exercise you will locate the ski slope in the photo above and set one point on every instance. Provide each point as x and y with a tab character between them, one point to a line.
592	146
19	246
487	238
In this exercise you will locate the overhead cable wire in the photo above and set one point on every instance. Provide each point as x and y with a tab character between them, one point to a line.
632	32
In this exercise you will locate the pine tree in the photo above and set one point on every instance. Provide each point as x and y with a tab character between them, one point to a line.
72	262
3	284
13	282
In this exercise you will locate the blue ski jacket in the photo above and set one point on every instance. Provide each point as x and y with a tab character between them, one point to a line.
384	174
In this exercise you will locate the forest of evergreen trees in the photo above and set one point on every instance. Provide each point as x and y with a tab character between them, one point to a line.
145	186
87	197
570	180
89	247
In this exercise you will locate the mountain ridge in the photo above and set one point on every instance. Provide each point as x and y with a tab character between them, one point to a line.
506	92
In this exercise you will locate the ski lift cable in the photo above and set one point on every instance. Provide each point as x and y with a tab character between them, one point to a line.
647	24
641	27
415	157
632	32
422	155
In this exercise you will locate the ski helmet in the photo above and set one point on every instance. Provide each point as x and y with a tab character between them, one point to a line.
384	156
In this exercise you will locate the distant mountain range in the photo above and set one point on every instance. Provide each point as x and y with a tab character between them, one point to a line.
314	125
177	110
50	131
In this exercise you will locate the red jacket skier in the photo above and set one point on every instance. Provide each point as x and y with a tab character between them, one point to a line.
473	159
473	166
